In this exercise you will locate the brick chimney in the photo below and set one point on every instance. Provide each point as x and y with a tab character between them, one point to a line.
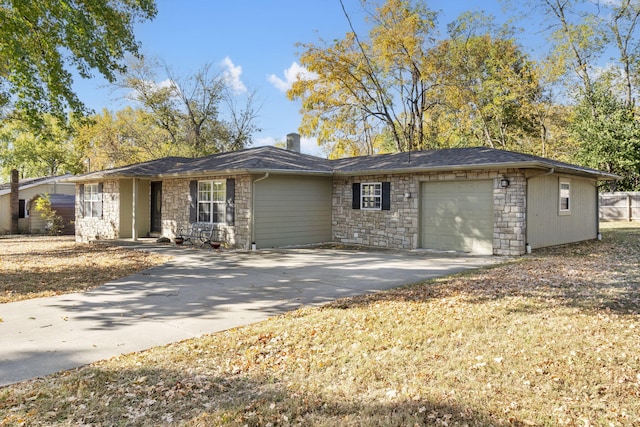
14	201
293	142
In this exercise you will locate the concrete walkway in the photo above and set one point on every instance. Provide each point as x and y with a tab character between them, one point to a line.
198	292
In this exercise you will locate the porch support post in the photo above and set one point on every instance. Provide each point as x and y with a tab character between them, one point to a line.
134	229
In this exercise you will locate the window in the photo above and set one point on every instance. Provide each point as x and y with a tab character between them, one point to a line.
211	201
22	209
371	195
93	200
565	197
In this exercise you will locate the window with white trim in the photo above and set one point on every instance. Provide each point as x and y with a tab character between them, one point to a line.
92	201
371	195
565	197
211	201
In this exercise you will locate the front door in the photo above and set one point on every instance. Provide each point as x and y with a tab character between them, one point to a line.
156	206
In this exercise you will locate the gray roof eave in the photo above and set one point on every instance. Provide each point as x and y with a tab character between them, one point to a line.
231	172
508	165
534	164
61	179
246	172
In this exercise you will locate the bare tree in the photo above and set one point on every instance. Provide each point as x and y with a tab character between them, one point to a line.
199	112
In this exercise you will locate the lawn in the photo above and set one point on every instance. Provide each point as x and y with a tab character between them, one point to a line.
33	267
550	339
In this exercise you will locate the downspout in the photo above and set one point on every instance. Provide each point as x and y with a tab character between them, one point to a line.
526	198
134	228
598	235
253	207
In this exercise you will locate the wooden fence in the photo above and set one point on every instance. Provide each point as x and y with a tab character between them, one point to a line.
620	206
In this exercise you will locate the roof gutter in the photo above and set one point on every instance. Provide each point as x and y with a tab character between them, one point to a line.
347	172
549	172
184	174
484	166
253	207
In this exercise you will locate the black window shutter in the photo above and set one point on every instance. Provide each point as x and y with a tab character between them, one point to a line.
100	189
81	196
386	196
355	202
193	201
231	202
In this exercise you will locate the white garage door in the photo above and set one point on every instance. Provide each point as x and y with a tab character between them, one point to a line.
457	216
292	211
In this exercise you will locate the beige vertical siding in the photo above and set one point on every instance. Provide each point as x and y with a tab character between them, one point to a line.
546	226
126	202
143	212
458	216
292	211
143	208
5	213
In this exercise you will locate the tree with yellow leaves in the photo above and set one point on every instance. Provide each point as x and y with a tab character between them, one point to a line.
401	89
488	86
370	95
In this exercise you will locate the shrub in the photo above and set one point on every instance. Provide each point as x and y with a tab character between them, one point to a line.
53	221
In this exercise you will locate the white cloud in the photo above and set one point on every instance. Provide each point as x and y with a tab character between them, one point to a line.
232	75
167	83
310	146
307	145
291	74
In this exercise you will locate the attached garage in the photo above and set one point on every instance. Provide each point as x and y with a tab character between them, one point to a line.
292	210
457	216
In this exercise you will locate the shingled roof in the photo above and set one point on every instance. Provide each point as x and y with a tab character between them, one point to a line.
456	159
277	160
252	160
5	188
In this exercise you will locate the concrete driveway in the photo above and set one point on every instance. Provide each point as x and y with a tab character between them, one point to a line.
199	292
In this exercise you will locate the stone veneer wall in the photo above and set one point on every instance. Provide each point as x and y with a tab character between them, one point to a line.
398	228
510	215
175	209
107	227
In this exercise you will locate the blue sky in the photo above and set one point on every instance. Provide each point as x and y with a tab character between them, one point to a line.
254	40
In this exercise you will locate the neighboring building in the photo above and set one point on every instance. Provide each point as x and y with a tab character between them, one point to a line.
63	204
476	200
29	189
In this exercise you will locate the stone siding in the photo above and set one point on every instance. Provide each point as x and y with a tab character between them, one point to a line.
396	228
90	228
399	228
176	202
510	211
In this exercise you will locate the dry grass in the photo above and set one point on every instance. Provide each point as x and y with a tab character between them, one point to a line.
34	267
552	339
